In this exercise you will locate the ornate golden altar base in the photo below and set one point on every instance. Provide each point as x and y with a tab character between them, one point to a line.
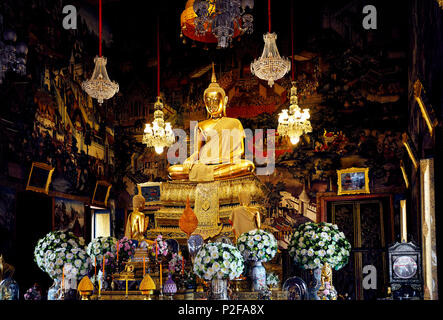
136	295
173	195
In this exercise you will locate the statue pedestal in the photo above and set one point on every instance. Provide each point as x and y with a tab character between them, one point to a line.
173	195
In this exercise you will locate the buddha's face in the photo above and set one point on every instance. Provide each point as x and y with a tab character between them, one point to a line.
214	103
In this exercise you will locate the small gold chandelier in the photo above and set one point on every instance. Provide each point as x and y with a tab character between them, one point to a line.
270	66
100	86
160	134
294	123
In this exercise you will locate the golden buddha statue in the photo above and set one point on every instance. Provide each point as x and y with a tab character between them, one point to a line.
218	144
6	270
246	217
137	223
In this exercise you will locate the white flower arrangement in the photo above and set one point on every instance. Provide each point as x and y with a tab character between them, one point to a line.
272	280
102	246
314	244
216	260
257	245
52	241
75	261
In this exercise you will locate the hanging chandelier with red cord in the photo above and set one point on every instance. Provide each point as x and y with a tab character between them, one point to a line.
270	66
99	86
293	123
160	135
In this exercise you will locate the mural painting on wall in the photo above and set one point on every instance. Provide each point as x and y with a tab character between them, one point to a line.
64	137
46	116
69	215
7	220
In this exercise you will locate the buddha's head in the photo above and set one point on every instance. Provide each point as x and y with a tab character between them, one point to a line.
138	202
215	98
244	198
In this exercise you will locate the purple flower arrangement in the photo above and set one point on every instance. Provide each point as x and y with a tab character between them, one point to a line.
175	265
126	249
160	246
33	293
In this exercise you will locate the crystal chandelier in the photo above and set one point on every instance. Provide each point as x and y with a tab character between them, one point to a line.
222	19
100	86
160	134
12	56
270	66
294	123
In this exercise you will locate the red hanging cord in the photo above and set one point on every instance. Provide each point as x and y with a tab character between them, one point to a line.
158	57
269	14
100	28
292	38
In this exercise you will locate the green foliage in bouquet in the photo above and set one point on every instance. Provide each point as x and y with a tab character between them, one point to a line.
314	244
52	241
272	280
102	247
257	245
75	261
216	260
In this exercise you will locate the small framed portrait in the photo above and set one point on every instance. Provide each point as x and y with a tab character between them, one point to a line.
40	177
101	193
353	181
150	191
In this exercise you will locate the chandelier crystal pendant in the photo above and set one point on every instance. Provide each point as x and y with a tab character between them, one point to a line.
217	20
100	87
160	134
12	56
270	66
293	123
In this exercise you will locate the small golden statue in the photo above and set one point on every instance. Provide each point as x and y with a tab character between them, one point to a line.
6	270
128	273
246	217
137	223
9	289
327	290
218	144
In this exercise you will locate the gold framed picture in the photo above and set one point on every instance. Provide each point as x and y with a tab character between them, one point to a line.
40	177
353	181
101	193
150	191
